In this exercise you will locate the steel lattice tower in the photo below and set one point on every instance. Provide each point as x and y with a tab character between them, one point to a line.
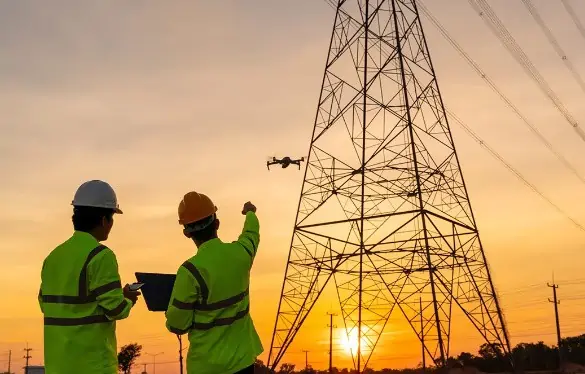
384	213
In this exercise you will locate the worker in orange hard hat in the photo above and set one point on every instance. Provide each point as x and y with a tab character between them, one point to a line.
210	298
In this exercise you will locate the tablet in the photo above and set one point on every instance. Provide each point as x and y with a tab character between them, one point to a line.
157	290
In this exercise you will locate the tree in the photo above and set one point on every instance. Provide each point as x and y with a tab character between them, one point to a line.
466	359
574	349
491	359
127	356
490	351
260	368
287	369
308	370
453	363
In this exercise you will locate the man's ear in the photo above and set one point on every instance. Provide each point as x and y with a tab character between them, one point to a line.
216	224
186	233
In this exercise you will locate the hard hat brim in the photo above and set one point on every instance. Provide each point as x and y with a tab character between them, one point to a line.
116	210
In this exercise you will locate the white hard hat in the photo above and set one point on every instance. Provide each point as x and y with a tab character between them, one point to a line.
97	194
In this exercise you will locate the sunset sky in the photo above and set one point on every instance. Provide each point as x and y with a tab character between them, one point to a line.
162	97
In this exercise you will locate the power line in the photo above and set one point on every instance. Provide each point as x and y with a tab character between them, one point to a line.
511	168
495	24
553	41
160	363
495	88
574	17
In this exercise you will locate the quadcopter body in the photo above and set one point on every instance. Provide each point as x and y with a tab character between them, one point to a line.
285	162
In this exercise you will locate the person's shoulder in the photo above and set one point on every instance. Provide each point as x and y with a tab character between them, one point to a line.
61	248
193	260
100	253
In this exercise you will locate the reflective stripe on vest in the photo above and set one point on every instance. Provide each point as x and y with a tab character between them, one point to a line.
203	305
84	297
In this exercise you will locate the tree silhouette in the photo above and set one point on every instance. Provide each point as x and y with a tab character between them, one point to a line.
531	356
308	370
574	349
127	356
260	368
287	369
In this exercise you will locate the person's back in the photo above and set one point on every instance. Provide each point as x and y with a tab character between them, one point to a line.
81	296
210	299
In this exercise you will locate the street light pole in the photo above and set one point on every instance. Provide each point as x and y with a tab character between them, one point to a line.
154	360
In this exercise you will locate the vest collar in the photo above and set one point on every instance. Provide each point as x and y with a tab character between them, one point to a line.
208	243
85	236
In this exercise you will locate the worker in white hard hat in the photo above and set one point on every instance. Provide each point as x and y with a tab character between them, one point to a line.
81	295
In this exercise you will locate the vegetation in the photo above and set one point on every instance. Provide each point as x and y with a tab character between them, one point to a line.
489	359
127	357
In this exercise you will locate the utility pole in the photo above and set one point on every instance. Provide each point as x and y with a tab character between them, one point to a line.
27	356
331	326
422	334
9	360
306	360
557	302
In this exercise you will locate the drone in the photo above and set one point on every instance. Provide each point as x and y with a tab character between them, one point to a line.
285	162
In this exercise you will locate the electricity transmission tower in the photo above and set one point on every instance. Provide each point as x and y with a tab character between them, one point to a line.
384	215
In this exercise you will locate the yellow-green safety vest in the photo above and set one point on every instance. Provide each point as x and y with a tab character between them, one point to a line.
210	301
81	297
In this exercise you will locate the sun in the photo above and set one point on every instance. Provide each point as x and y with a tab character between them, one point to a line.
349	342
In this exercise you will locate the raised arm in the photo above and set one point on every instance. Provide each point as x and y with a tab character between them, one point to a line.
250	236
105	285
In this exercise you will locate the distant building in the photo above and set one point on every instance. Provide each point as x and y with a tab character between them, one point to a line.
35	370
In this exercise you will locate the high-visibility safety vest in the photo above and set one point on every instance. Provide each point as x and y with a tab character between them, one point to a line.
210	301
81	297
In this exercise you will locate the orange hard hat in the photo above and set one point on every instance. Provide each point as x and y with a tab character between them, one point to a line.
194	207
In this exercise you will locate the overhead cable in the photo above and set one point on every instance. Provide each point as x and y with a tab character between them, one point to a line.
553	41
574	17
493	86
518	175
495	24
